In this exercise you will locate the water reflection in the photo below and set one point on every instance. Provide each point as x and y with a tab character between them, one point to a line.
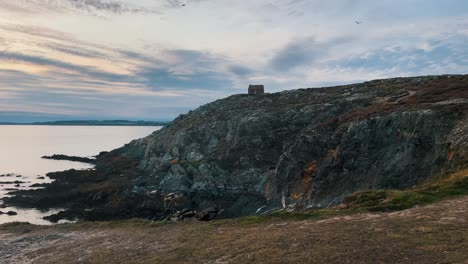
21	149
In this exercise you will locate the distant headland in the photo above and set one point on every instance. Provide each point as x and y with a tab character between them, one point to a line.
92	123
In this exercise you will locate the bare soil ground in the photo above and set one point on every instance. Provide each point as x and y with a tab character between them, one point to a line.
436	233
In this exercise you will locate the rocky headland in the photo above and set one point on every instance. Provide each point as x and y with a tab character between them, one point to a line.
293	150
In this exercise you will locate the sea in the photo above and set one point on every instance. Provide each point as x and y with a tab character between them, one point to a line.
22	146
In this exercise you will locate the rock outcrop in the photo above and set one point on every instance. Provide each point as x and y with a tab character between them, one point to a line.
308	147
295	149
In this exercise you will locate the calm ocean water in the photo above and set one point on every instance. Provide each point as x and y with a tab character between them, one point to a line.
21	149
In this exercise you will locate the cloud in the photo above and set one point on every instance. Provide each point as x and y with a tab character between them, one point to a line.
304	51
36	31
43	61
73	50
81	6
168	70
185	70
17	7
108	6
432	57
53	40
92	6
162	70
163	79
192	57
138	56
240	70
135	65
178	3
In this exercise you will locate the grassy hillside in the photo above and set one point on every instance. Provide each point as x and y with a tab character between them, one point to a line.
435	233
369	227
454	185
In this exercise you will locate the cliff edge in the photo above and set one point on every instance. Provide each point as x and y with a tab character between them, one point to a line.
298	149
308	147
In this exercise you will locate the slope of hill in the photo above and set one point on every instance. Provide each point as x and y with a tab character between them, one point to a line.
299	149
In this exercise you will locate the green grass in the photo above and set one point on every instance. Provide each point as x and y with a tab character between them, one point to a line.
17	227
392	200
436	190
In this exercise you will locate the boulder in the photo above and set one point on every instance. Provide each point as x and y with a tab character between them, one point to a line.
208	214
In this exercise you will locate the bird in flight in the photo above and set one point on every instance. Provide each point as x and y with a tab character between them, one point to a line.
183	4
358	22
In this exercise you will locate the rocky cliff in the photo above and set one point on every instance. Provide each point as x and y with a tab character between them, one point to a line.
308	147
295	149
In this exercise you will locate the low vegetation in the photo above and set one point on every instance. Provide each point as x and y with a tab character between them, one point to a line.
454	185
397	237
433	230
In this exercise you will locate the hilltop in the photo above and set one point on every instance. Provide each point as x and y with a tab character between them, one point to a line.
294	150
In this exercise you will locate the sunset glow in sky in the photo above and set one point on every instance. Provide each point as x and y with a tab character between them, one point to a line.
154	59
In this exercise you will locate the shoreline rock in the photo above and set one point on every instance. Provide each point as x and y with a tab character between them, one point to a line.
12	182
70	158
9	213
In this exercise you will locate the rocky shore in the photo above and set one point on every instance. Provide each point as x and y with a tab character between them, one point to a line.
293	150
70	158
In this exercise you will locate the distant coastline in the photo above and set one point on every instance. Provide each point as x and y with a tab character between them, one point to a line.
92	123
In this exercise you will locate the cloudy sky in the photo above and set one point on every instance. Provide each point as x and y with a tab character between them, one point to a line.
154	59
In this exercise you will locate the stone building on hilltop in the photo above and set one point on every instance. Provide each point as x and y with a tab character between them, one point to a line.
256	89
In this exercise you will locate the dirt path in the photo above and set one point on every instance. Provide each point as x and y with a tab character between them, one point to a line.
436	233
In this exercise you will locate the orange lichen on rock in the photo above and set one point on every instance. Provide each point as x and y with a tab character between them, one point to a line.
296	196
307	180
451	155
311	168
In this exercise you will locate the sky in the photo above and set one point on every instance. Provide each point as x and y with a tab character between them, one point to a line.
156	59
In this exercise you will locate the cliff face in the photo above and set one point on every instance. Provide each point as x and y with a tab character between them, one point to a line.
307	147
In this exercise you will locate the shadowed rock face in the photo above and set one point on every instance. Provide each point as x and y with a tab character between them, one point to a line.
300	148
308	147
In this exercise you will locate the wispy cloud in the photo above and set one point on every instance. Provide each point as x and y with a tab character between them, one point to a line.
108	6
36	31
73	50
89	71
154	57
305	51
163	79
87	6
240	70
149	76
431	57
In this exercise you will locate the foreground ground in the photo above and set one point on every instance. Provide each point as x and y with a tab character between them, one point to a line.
436	233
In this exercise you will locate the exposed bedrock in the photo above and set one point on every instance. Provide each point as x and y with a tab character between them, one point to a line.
309	147
297	149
